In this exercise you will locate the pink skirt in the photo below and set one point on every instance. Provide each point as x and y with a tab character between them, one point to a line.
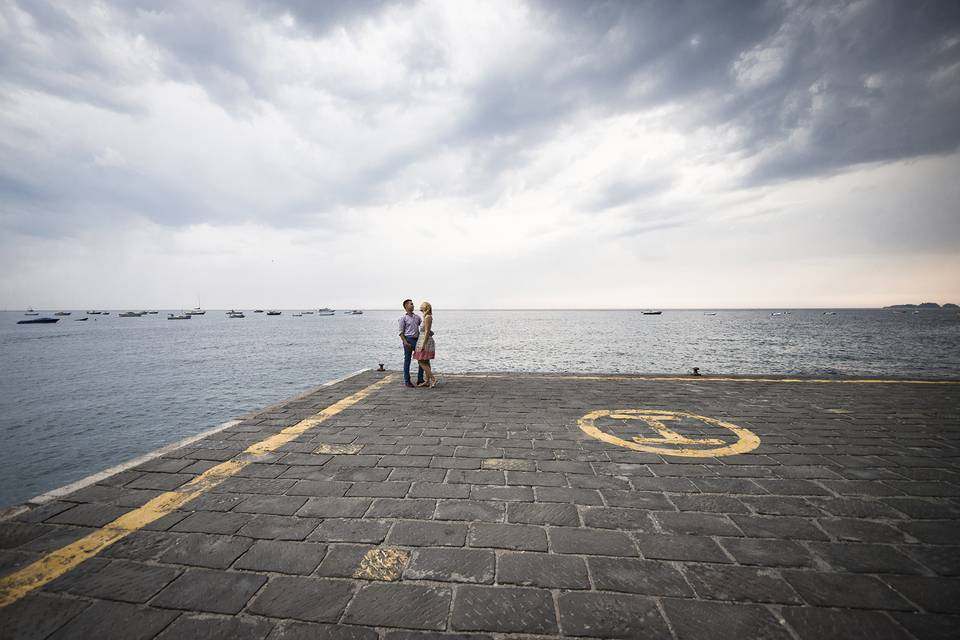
425	349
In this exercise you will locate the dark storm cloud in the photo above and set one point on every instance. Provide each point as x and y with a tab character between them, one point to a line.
858	82
804	88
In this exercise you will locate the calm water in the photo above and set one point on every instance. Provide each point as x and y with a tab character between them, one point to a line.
77	397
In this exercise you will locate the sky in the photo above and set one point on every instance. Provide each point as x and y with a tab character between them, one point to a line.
492	154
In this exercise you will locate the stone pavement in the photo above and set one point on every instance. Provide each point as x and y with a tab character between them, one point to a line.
480	509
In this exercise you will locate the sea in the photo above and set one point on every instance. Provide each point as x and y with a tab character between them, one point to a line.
79	396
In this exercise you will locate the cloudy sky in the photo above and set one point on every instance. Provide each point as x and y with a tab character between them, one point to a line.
490	154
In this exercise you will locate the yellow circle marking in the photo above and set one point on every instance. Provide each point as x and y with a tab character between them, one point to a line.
668	442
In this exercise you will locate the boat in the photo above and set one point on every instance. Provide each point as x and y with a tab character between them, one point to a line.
105	313
651	313
710	313
829	313
32	313
307	313
355	312
152	313
298	315
94	313
274	313
39	321
236	314
131	314
258	310
63	313
325	312
180	316
83	319
776	313
197	311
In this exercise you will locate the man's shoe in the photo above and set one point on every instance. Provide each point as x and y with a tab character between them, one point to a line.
408	384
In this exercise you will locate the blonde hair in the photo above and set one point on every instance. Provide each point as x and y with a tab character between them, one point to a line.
429	308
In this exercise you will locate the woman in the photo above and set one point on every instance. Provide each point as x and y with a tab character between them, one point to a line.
425	350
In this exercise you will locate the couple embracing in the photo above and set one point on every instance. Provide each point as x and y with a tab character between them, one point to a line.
417	337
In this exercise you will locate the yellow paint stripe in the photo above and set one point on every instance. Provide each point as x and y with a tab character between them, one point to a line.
55	564
704	379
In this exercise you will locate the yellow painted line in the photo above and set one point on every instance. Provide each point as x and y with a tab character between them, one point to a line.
55	564
703	379
668	439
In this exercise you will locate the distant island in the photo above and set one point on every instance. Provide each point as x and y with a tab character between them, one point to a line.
923	305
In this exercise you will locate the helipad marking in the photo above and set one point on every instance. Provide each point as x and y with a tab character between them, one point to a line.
667	441
56	563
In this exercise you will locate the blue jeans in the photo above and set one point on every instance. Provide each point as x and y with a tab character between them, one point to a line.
407	355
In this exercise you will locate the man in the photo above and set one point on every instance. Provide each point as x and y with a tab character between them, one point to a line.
409	332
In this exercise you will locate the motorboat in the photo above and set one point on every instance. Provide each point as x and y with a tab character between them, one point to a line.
179	316
152	313
710	313
63	313
355	312
325	312
829	313
196	311
39	321
258	310
131	314
274	313
105	313
776	313
31	313
236	314
307	313
298	315
94	313
83	319
651	313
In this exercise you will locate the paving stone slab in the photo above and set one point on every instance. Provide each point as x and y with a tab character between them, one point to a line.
650	577
210	591
542	570
308	599
702	620
206	627
400	605
351	530
452	565
604	615
298	558
508	536
415	533
37	616
115	620
315	631
816	623
503	609
133	582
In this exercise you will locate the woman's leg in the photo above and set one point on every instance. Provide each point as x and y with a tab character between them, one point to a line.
425	365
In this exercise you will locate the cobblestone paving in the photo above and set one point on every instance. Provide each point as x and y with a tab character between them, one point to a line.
479	509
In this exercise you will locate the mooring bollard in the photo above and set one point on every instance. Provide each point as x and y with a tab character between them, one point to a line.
381	367
696	371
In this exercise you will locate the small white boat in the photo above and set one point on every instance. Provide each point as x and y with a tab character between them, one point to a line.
829	313
132	314
710	313
179	316
776	313
196	312
355	312
235	314
63	313
274	313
